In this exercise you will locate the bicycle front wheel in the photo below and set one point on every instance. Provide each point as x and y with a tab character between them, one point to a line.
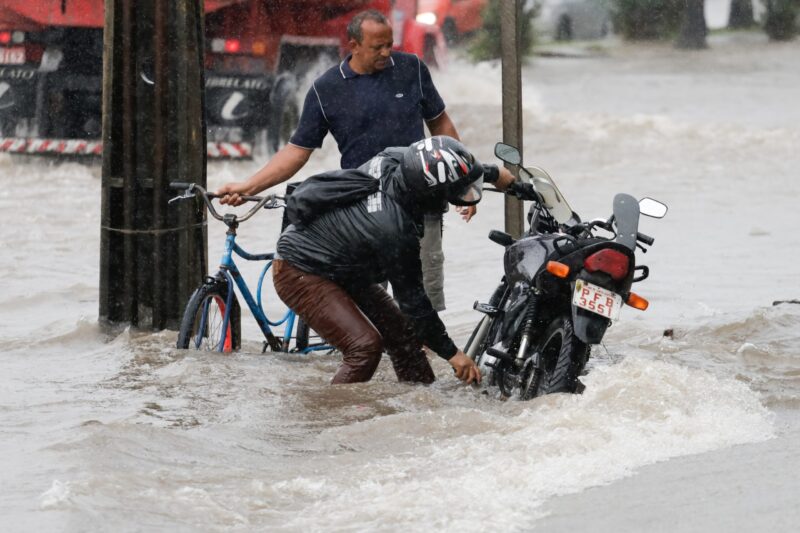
201	327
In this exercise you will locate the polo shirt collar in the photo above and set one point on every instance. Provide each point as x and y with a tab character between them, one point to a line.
347	72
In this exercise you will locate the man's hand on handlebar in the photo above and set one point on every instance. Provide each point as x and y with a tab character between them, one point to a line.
522	190
505	179
231	193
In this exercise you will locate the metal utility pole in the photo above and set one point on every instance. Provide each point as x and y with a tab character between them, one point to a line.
510	38
151	255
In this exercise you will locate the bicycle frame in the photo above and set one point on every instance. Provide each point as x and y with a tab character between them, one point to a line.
229	269
233	276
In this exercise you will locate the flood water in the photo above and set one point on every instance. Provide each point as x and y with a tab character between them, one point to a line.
103	431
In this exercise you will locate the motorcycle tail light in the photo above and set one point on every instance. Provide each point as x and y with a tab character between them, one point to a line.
559	270
5	37
610	261
636	301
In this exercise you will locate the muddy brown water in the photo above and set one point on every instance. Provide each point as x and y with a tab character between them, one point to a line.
120	431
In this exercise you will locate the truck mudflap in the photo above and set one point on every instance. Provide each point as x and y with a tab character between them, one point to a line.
51	146
90	148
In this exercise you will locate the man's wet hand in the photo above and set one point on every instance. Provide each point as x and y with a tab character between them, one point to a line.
467	211
466	369
230	193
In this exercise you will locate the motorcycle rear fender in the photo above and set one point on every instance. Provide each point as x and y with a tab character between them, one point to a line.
589	327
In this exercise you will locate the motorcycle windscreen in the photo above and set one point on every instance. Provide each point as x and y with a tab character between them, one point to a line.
553	200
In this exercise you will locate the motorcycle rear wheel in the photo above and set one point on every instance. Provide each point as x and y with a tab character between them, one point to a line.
562	357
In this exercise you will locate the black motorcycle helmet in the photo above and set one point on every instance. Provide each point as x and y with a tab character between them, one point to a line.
441	168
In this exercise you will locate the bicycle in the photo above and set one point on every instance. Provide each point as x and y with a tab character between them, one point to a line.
212	317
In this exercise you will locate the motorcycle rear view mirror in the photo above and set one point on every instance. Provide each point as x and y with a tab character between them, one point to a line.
652	208
509	154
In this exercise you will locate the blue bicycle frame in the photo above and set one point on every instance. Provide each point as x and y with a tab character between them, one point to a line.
231	272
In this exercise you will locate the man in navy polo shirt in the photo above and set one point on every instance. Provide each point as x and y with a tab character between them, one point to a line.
373	99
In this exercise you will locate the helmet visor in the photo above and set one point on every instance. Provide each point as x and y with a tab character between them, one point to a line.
469	195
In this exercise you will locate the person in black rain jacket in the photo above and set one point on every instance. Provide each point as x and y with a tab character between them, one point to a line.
352	230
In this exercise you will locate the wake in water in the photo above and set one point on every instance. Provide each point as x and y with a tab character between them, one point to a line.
761	349
428	464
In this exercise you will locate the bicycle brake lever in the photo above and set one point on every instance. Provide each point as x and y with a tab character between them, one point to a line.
184	196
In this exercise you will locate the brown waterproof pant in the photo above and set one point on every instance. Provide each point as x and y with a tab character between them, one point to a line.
360	323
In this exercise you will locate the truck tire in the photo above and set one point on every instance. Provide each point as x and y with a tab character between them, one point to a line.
432	54
284	113
450	31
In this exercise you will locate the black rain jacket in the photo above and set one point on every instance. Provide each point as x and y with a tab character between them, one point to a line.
361	226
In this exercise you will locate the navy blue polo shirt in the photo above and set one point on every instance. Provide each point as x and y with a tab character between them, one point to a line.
366	113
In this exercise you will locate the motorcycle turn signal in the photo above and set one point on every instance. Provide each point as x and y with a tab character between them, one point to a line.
559	270
636	301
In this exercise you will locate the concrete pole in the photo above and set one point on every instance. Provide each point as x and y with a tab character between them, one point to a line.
510	38
152	255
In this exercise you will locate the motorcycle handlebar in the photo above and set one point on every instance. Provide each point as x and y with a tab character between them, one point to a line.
523	191
645	238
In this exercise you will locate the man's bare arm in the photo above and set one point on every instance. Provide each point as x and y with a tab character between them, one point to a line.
442	125
282	166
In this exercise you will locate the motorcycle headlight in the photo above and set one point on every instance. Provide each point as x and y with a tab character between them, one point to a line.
428	18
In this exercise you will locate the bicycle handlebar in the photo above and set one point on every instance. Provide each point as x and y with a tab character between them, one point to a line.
192	189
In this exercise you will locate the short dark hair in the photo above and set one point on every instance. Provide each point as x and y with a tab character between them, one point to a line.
354	27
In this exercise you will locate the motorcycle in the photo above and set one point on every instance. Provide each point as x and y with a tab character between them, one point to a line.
565	282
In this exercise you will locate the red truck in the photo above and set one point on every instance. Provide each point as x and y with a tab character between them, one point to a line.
454	17
257	52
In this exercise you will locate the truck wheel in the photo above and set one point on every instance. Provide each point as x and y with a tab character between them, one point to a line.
433	55
284	115
450	31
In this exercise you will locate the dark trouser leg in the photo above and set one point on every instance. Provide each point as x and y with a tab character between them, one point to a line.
401	343
332	313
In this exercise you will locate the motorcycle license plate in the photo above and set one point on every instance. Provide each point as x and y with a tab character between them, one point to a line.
597	299
12	56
